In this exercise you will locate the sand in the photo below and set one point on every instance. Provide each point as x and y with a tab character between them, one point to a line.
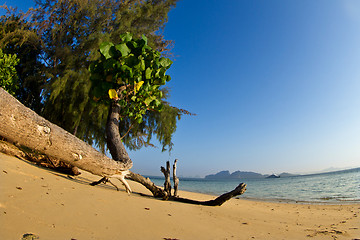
53	206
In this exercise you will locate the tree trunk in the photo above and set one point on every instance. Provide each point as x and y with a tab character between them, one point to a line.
22	126
175	179
240	189
155	190
113	138
167	183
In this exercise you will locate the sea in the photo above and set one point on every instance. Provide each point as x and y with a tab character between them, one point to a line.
339	187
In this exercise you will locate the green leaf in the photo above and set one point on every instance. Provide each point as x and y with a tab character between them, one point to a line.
105	49
162	72
126	37
131	61
139	120
145	39
141	43
148	72
124	50
142	64
132	45
157	102
149	100
165	62
157	73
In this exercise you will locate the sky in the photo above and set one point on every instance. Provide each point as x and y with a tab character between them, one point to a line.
275	86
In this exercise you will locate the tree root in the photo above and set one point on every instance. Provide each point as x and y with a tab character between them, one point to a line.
120	177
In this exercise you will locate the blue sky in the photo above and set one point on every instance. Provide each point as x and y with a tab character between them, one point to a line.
275	86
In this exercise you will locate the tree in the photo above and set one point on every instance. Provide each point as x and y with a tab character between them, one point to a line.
17	37
56	43
71	34
128	77
26	128
71	31
8	75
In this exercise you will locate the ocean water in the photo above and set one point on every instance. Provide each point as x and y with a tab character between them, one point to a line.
336	187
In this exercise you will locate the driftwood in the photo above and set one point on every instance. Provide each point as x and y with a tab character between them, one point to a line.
240	189
160	193
37	158
23	127
146	182
166	192
167	184
175	179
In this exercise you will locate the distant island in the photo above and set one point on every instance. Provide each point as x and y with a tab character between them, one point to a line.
243	174
273	176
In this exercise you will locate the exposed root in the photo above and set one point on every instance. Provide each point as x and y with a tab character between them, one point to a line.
120	177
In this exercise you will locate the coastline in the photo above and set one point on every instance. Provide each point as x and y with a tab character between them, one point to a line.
53	206
328	188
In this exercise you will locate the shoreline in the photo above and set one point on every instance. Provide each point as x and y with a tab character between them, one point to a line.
52	206
290	201
274	200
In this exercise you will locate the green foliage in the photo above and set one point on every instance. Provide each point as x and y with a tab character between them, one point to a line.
18	37
57	41
71	32
133	71
8	75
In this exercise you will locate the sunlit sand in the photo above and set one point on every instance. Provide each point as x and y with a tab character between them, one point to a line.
51	205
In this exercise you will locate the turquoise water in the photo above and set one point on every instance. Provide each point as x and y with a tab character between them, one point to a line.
336	187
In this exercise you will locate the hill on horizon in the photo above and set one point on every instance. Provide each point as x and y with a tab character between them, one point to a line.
248	174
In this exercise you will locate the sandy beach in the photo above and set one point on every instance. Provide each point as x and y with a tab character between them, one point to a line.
51	205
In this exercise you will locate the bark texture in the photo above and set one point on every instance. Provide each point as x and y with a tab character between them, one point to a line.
23	126
155	190
167	183
113	138
175	179
240	189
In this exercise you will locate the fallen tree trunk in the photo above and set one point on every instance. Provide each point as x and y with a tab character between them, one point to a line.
160	193
240	189
23	126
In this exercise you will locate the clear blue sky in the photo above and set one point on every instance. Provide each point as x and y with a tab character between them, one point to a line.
275	86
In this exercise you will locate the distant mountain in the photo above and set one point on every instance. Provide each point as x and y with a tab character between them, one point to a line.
273	176
234	175
240	174
284	174
219	175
